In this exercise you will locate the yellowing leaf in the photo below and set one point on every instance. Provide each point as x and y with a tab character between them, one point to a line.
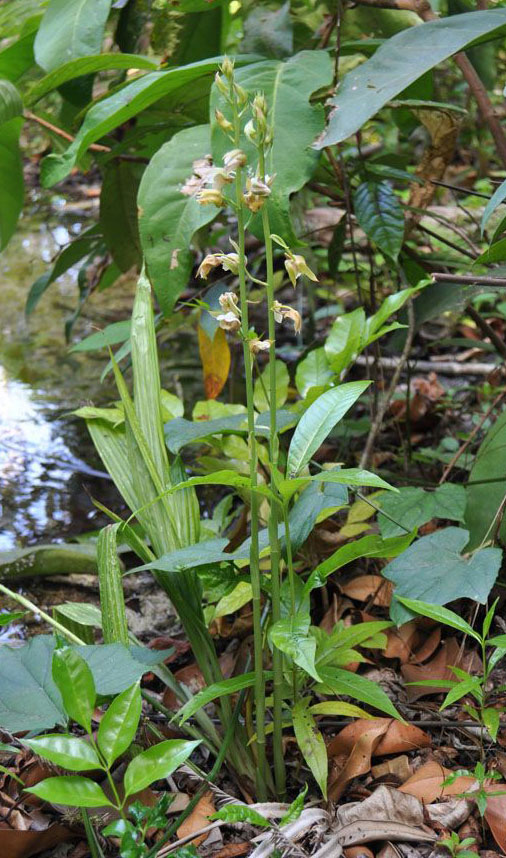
215	357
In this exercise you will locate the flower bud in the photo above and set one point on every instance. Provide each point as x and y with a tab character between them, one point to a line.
228	321
227	68
224	123
212	260
221	85
210	197
250	131
241	95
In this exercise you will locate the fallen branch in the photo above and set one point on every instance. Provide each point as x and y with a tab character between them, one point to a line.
439	366
468	279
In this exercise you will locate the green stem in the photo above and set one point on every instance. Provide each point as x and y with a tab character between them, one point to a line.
35	610
275	553
254	549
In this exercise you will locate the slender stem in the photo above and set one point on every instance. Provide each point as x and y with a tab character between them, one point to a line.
275	554
254	545
35	610
291	581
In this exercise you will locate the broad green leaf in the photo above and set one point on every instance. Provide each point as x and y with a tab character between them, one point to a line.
180	432
6	618
201	554
82	613
469	685
110	112
337	681
67	258
414	506
338	707
313	371
76	686
18	57
116	332
311	742
262	389
440	614
346	340
345	476
118	212
240	813
25	676
71	790
380	215
268	32
288	87
234	601
389	306
10	102
291	636
400	61
11	168
319	420
118	727
114	416
169	216
68	752
433	568
495	253
70	29
218	689
495	200
83	66
158	762
485	499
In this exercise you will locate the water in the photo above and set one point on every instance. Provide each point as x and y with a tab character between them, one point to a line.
48	468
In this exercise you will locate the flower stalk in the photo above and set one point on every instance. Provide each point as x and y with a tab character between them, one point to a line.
259	689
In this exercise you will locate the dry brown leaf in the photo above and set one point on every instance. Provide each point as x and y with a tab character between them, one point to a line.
395	737
232	850
399	767
358	852
193	678
359	760
386	815
426	783
198	818
495	815
23	844
365	587
438	668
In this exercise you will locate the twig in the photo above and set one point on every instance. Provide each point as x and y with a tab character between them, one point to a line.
441	367
487	330
95	147
468	279
468	440
467	191
378	421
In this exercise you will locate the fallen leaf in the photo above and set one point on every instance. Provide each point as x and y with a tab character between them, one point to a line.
395	737
427	783
450	655
198	818
399	767
386	815
495	815
358	852
193	678
23	844
358	761
232	850
365	587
